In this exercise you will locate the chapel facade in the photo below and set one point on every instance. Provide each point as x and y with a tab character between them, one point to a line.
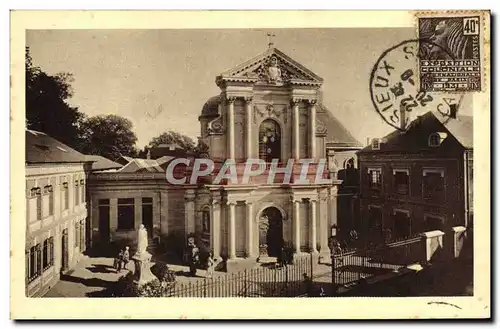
267	109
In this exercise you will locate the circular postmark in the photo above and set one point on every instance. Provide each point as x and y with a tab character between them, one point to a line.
395	91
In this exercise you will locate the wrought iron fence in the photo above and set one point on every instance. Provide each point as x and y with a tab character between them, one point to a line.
273	281
353	265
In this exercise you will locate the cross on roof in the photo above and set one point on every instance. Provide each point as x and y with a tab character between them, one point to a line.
270	37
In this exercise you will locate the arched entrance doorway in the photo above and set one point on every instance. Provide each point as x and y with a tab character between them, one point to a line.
270	232
269	140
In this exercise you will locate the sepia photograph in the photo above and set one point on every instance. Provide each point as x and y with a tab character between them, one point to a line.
313	162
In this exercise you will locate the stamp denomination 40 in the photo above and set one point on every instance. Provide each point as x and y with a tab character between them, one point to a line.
450	54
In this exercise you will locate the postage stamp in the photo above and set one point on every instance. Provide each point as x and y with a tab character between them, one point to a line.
450	54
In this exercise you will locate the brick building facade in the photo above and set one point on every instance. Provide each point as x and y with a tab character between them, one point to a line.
418	180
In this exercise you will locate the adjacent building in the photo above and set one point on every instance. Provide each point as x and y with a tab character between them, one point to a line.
56	210
418	180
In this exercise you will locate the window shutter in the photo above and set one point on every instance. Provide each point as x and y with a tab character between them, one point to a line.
38	260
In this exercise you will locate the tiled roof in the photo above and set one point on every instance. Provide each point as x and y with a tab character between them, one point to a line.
337	134
102	163
416	136
41	148
141	165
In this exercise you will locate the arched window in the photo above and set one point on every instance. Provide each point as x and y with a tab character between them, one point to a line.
269	140
434	140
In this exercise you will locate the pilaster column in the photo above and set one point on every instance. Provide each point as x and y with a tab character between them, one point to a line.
138	213
312	129
249	230
113	217
295	128
189	197
232	229
215	225
312	228
230	127
333	206
248	126
296	225
324	229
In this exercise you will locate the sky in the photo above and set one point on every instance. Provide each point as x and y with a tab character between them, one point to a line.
160	79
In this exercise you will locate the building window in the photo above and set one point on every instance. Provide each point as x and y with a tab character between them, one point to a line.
82	191
82	235
48	253
401	224
35	205
48	201
434	140
205	220
77	235
65	195
34	265
433	223
433	184
77	193
375	178
375	144
269	140
401	181
126	214
374	222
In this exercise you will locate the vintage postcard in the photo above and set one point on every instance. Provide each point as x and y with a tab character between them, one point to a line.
191	165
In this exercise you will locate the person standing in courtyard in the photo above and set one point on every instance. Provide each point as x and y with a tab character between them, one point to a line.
126	257
117	264
194	260
210	265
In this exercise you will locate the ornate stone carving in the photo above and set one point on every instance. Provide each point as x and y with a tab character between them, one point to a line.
215	127
321	129
270	110
295	101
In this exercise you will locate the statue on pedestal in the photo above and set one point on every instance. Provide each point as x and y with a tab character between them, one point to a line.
142	258
142	238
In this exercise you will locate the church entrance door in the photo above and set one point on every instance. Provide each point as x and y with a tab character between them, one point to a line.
270	232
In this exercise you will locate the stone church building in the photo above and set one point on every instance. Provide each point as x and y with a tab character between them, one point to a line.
268	108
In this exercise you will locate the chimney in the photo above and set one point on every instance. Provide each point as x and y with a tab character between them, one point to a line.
148	155
404	117
367	141
453	111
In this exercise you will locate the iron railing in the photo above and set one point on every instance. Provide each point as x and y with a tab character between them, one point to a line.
273	281
353	265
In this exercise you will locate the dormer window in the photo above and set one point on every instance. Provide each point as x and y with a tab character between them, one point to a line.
435	139
375	144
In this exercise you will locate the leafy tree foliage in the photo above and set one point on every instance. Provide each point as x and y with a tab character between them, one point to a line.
110	136
173	137
47	109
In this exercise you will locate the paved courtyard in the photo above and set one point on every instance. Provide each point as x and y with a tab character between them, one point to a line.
94	274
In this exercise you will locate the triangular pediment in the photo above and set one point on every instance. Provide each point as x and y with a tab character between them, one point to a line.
271	67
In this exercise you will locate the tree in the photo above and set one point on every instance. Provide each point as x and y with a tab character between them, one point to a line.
173	137
110	136
47	109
